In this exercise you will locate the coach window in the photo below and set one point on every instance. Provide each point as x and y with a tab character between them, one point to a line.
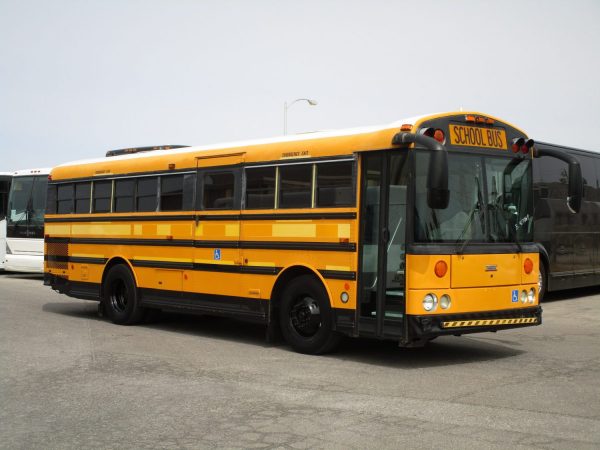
218	190
83	192
65	198
295	186
147	194
51	199
171	193
334	184
101	196
260	188
124	195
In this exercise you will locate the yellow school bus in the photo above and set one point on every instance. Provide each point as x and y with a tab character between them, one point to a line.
406	232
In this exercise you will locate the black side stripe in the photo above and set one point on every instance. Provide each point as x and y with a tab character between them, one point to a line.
338	274
255	245
203	267
208	217
75	259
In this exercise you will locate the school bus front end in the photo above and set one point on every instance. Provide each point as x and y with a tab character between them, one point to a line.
468	293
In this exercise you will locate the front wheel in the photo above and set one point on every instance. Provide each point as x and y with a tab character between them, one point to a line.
121	298
305	317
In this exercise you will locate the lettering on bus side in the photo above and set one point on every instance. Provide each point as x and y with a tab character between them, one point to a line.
477	137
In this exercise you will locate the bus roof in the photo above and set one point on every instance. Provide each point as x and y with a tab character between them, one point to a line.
270	149
29	172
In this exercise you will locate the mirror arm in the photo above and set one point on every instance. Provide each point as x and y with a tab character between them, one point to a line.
438	194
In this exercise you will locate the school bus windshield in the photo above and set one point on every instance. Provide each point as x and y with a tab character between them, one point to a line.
490	200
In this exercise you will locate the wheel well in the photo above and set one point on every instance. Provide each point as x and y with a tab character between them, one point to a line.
287	275
113	262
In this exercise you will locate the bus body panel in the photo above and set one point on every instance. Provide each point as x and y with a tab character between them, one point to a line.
571	241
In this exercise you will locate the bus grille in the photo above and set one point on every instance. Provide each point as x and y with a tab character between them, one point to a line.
57	255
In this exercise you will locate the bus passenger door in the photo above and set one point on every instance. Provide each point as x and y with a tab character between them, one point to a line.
383	238
217	260
4	189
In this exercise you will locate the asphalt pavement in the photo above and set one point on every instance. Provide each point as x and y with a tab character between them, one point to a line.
69	379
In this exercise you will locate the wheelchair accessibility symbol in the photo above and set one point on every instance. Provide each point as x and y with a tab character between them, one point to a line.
515	296
217	254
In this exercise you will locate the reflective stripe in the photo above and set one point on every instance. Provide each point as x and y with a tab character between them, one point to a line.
487	322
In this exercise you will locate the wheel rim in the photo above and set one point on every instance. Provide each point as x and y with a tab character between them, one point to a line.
118	296
540	282
305	316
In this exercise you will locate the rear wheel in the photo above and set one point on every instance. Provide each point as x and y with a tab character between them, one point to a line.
121	297
305	317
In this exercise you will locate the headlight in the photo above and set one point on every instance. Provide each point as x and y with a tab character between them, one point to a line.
445	301
523	296
429	302
531	295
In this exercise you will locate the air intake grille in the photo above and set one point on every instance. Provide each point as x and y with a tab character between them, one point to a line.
57	255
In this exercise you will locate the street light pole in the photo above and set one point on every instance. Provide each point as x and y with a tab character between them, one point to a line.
286	107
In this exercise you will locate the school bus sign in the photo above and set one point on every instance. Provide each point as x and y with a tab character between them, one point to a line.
466	136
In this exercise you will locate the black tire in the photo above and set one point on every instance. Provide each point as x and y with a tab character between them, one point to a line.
305	317
542	281
121	297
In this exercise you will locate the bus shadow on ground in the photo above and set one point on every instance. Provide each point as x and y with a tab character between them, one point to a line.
444	351
22	276
571	294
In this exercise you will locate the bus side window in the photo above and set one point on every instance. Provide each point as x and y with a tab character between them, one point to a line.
124	195
171	193
295	186
65	198
260	188
146	194
334	184
83	193
218	192
101	196
51	199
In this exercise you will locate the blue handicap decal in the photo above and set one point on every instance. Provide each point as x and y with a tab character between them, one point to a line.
515	295
217	254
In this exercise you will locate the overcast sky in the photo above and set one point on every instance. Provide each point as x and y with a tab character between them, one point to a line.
78	78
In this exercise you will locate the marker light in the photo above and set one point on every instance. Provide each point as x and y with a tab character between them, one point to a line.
440	268
531	295
445	301
429	302
523	296
344	297
528	266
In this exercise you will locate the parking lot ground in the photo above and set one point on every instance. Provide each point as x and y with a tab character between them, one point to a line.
69	379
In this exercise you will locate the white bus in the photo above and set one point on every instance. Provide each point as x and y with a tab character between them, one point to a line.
5	178
25	221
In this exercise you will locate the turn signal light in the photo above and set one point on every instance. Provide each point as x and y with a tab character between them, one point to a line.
528	266
441	268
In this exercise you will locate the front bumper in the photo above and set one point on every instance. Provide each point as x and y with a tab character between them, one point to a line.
422	328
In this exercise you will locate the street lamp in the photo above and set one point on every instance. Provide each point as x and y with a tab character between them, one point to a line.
286	107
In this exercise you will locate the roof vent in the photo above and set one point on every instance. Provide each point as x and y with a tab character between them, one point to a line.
127	151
